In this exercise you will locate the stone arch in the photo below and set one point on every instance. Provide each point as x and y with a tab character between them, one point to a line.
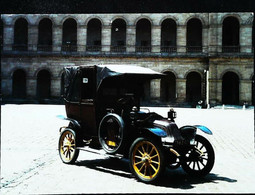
230	88
41	17
231	70
169	17
143	17
195	17
231	15
92	18
19	79
119	17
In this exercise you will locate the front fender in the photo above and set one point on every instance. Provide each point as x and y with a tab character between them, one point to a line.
204	129
157	131
75	123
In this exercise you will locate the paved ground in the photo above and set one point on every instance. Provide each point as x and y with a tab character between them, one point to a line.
30	163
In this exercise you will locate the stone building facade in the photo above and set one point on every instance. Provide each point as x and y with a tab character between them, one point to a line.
207	56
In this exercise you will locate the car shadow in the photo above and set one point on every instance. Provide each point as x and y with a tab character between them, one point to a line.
174	178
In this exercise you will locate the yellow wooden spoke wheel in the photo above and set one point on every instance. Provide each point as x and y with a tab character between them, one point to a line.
67	146
146	160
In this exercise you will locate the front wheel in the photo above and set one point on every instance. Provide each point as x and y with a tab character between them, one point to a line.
146	160
199	160
67	146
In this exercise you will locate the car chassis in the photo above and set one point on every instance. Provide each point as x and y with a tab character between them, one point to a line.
103	109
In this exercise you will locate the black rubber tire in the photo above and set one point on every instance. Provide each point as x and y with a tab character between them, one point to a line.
196	165
67	146
147	161
111	133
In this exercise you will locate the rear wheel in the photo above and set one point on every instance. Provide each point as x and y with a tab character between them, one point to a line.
146	160
111	133
199	160
67	146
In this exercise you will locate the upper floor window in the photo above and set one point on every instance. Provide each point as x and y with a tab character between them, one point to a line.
45	35
168	36
230	35
143	36
194	35
94	29
69	41
20	35
118	35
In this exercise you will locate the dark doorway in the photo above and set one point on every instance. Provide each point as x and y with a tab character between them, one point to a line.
230	35
19	84
194	35
230	88
168	36
143	36
193	87
69	41
168	87
43	84
45	35
118	36
94	29
20	35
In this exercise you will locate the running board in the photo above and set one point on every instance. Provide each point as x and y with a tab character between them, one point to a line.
100	152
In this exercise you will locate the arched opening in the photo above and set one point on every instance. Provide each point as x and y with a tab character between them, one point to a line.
168	87
20	35
168	36
230	35
45	35
94	29
69	41
1	33
43	84
19	84
194	35
230	88
143	36
193	87
118	36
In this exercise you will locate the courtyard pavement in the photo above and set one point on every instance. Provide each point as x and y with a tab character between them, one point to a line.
30	163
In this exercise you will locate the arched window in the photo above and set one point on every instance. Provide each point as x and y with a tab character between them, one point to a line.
19	84
43	84
143	36
168	36
193	87
230	88
45	35
20	35
194	35
168	87
94	29
69	41
118	36
230	35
